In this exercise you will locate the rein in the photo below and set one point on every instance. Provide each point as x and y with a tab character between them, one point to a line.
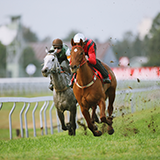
83	60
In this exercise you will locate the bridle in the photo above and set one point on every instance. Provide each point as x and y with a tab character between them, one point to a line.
58	70
83	61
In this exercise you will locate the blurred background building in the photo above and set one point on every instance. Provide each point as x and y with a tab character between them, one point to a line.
22	53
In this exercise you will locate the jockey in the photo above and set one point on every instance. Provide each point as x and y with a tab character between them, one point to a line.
63	55
90	51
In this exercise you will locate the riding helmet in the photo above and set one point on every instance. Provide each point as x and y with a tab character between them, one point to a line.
78	37
57	43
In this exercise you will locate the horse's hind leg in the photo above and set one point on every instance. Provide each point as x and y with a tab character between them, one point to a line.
111	96
61	117
103	117
102	107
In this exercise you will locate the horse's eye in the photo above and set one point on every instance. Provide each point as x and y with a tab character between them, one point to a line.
52	59
81	53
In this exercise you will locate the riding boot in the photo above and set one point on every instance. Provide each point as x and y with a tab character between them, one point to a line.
50	84
103	71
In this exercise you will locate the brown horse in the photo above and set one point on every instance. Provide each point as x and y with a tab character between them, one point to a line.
89	90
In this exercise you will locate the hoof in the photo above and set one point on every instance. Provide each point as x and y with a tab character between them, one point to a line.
110	131
64	128
97	133
71	133
95	127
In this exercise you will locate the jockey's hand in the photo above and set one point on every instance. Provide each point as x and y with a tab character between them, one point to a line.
86	57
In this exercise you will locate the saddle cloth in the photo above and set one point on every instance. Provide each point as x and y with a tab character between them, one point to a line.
96	72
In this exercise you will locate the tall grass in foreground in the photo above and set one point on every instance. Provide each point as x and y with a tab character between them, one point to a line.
137	137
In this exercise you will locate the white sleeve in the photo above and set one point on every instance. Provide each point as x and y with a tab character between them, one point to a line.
68	54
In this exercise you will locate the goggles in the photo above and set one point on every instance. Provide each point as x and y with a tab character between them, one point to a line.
57	47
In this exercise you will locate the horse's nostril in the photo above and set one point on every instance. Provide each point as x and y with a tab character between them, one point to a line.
44	70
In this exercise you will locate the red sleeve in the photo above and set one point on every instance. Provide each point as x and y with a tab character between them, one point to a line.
92	55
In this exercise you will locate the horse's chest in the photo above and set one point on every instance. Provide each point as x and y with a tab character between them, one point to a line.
88	100
62	101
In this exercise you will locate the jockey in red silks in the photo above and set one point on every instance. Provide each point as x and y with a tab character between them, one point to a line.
90	51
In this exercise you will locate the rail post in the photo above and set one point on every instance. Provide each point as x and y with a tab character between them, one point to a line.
25	117
21	122
50	113
45	119
10	120
40	115
33	117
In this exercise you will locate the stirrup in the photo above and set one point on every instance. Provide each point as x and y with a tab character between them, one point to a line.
106	80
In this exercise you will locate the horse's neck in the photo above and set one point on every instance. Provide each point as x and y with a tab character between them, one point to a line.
59	80
84	74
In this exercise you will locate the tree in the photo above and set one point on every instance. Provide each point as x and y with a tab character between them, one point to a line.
28	57
155	25
70	36
124	47
154	50
29	36
47	39
2	60
153	43
137	47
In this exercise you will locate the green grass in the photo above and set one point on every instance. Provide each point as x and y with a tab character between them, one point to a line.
136	137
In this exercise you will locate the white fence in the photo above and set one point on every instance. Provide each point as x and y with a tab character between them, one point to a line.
128	100
25	108
23	86
39	85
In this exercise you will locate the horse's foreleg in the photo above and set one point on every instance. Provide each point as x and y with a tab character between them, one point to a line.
72	130
61	117
94	117
89	122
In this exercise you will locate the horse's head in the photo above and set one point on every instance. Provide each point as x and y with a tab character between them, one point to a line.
77	55
51	64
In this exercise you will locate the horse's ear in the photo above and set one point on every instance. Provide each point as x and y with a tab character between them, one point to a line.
46	50
72	42
81	43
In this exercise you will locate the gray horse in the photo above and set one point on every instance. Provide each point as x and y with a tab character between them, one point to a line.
63	96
